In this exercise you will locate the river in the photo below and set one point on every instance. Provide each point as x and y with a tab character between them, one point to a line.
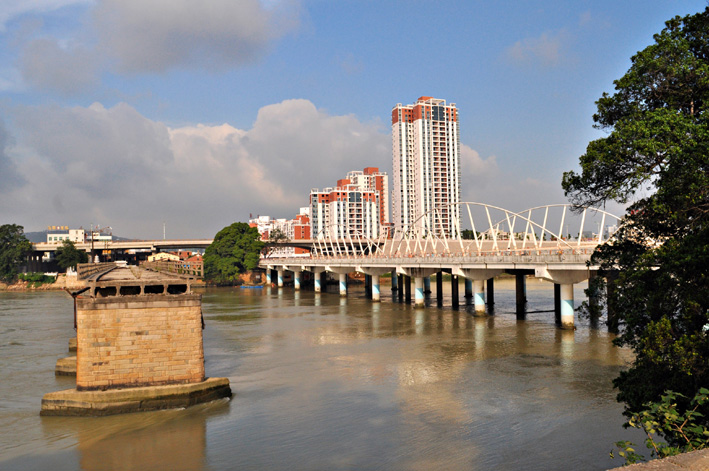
322	382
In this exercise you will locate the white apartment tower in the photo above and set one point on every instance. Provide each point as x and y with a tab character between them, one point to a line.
426	152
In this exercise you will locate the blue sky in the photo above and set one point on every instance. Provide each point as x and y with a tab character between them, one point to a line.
131	113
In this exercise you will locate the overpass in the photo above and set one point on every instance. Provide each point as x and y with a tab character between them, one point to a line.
125	245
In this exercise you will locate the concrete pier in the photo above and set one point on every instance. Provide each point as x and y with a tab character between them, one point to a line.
479	297
418	292
139	347
296	279
376	293
343	284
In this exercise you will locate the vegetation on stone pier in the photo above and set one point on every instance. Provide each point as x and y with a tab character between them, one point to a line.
14	249
235	250
656	156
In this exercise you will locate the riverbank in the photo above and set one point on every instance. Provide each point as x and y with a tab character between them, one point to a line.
62	282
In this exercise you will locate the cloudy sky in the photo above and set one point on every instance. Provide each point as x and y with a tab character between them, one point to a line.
135	113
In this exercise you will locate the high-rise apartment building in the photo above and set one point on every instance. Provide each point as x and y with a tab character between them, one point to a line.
357	207
426	152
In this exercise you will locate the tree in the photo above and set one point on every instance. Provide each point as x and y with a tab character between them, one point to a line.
656	157
69	256
14	249
235	250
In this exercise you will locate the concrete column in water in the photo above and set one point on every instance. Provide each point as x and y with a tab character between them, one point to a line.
521	290
455	296
468	288
439	288
418	292
367	286
427	284
394	281
567	306
479	286
317	276
407	288
280	277
343	284
490	294
401	287
296	279
557	303
375	288
268	277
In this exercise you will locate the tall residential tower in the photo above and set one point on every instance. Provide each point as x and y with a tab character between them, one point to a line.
426	151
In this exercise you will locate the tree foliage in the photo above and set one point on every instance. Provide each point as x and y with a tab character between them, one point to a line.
235	250
69	256
14	249
656	157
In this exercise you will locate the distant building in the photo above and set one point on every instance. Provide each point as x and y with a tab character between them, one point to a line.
58	234
163	256
297	228
426	158
357	207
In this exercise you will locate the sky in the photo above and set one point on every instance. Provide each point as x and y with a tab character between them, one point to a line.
184	116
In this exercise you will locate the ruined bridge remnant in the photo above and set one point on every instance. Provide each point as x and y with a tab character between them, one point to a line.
139	346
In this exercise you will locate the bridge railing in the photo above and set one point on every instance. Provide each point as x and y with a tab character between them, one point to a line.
574	256
193	269
87	270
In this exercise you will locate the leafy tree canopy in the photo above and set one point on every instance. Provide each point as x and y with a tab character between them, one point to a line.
14	249
656	157
69	256
235	250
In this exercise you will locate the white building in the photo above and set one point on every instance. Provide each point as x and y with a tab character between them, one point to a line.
349	210
426	158
58	234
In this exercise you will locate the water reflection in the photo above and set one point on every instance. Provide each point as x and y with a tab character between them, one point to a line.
323	382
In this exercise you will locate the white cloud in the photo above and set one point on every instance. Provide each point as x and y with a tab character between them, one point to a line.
547	49
113	166
157	35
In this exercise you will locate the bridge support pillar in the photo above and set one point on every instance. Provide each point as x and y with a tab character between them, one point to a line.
427	285
521	291
557	303
418	292
479	286
407	289
567	306
490	294
280	277
455	296
296	279
317	281
367	286
401	287
343	284
439	288
612	320
394	280
268	276
468	288
376	295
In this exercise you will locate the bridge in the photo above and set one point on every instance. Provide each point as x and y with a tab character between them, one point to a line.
124	245
529	242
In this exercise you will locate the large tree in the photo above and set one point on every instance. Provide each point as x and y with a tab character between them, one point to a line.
69	256
655	157
235	250
14	249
